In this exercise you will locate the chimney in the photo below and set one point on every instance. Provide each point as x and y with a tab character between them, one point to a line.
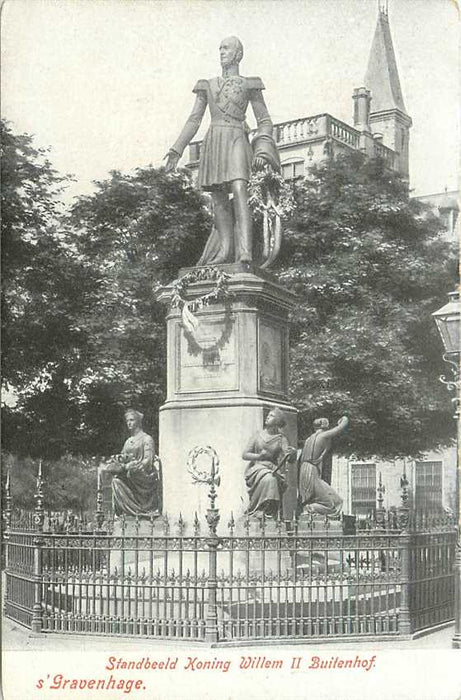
362	100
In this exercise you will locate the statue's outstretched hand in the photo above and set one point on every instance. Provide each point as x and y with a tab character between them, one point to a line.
172	159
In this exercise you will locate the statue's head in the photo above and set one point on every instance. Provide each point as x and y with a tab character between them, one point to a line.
276	417
230	51
321	424
133	418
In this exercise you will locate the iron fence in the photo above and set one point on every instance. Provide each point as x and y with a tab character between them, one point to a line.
253	579
431	585
259	581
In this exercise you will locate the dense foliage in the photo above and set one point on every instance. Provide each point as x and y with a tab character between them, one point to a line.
40	275
84	335
68	482
133	235
369	266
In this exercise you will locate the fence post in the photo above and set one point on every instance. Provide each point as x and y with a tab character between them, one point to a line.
99	513
39	518
380	510
456	641
405	626
403	517
7	513
212	518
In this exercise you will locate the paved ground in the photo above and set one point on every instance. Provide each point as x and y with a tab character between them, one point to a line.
17	638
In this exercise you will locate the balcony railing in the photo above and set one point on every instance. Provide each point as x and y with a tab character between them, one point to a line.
320	126
343	132
387	154
298	130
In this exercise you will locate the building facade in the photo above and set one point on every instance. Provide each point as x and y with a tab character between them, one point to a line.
431	482
446	206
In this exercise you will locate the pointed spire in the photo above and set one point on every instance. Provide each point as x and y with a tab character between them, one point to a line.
382	76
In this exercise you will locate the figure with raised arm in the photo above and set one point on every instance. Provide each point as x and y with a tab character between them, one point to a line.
135	480
226	156
267	451
315	494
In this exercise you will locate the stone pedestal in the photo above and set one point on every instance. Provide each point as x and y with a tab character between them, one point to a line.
223	378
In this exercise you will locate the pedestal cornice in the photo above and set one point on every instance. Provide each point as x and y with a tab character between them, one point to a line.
247	283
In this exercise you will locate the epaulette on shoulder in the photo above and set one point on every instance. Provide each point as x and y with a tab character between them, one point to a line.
255	83
200	85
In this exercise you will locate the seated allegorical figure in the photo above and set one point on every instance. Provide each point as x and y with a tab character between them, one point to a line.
267	451
315	494
135	481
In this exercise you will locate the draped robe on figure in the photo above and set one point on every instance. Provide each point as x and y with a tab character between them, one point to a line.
134	489
265	488
314	493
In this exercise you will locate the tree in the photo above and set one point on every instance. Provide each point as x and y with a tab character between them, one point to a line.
68	482
84	334
133	234
369	266
40	344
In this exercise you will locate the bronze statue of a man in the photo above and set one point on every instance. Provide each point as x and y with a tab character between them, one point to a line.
226	156
315	494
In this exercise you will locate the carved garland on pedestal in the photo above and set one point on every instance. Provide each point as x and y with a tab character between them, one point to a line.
220	292
202	274
180	286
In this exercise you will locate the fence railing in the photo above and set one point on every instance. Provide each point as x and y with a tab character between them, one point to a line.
431	585
257	579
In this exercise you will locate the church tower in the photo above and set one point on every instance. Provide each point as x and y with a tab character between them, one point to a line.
388	115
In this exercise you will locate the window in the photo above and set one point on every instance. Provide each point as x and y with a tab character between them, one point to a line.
428	485
363	488
291	171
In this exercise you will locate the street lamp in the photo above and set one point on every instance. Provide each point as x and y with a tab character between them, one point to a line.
448	319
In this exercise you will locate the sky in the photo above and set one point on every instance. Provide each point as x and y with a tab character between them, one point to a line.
107	83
